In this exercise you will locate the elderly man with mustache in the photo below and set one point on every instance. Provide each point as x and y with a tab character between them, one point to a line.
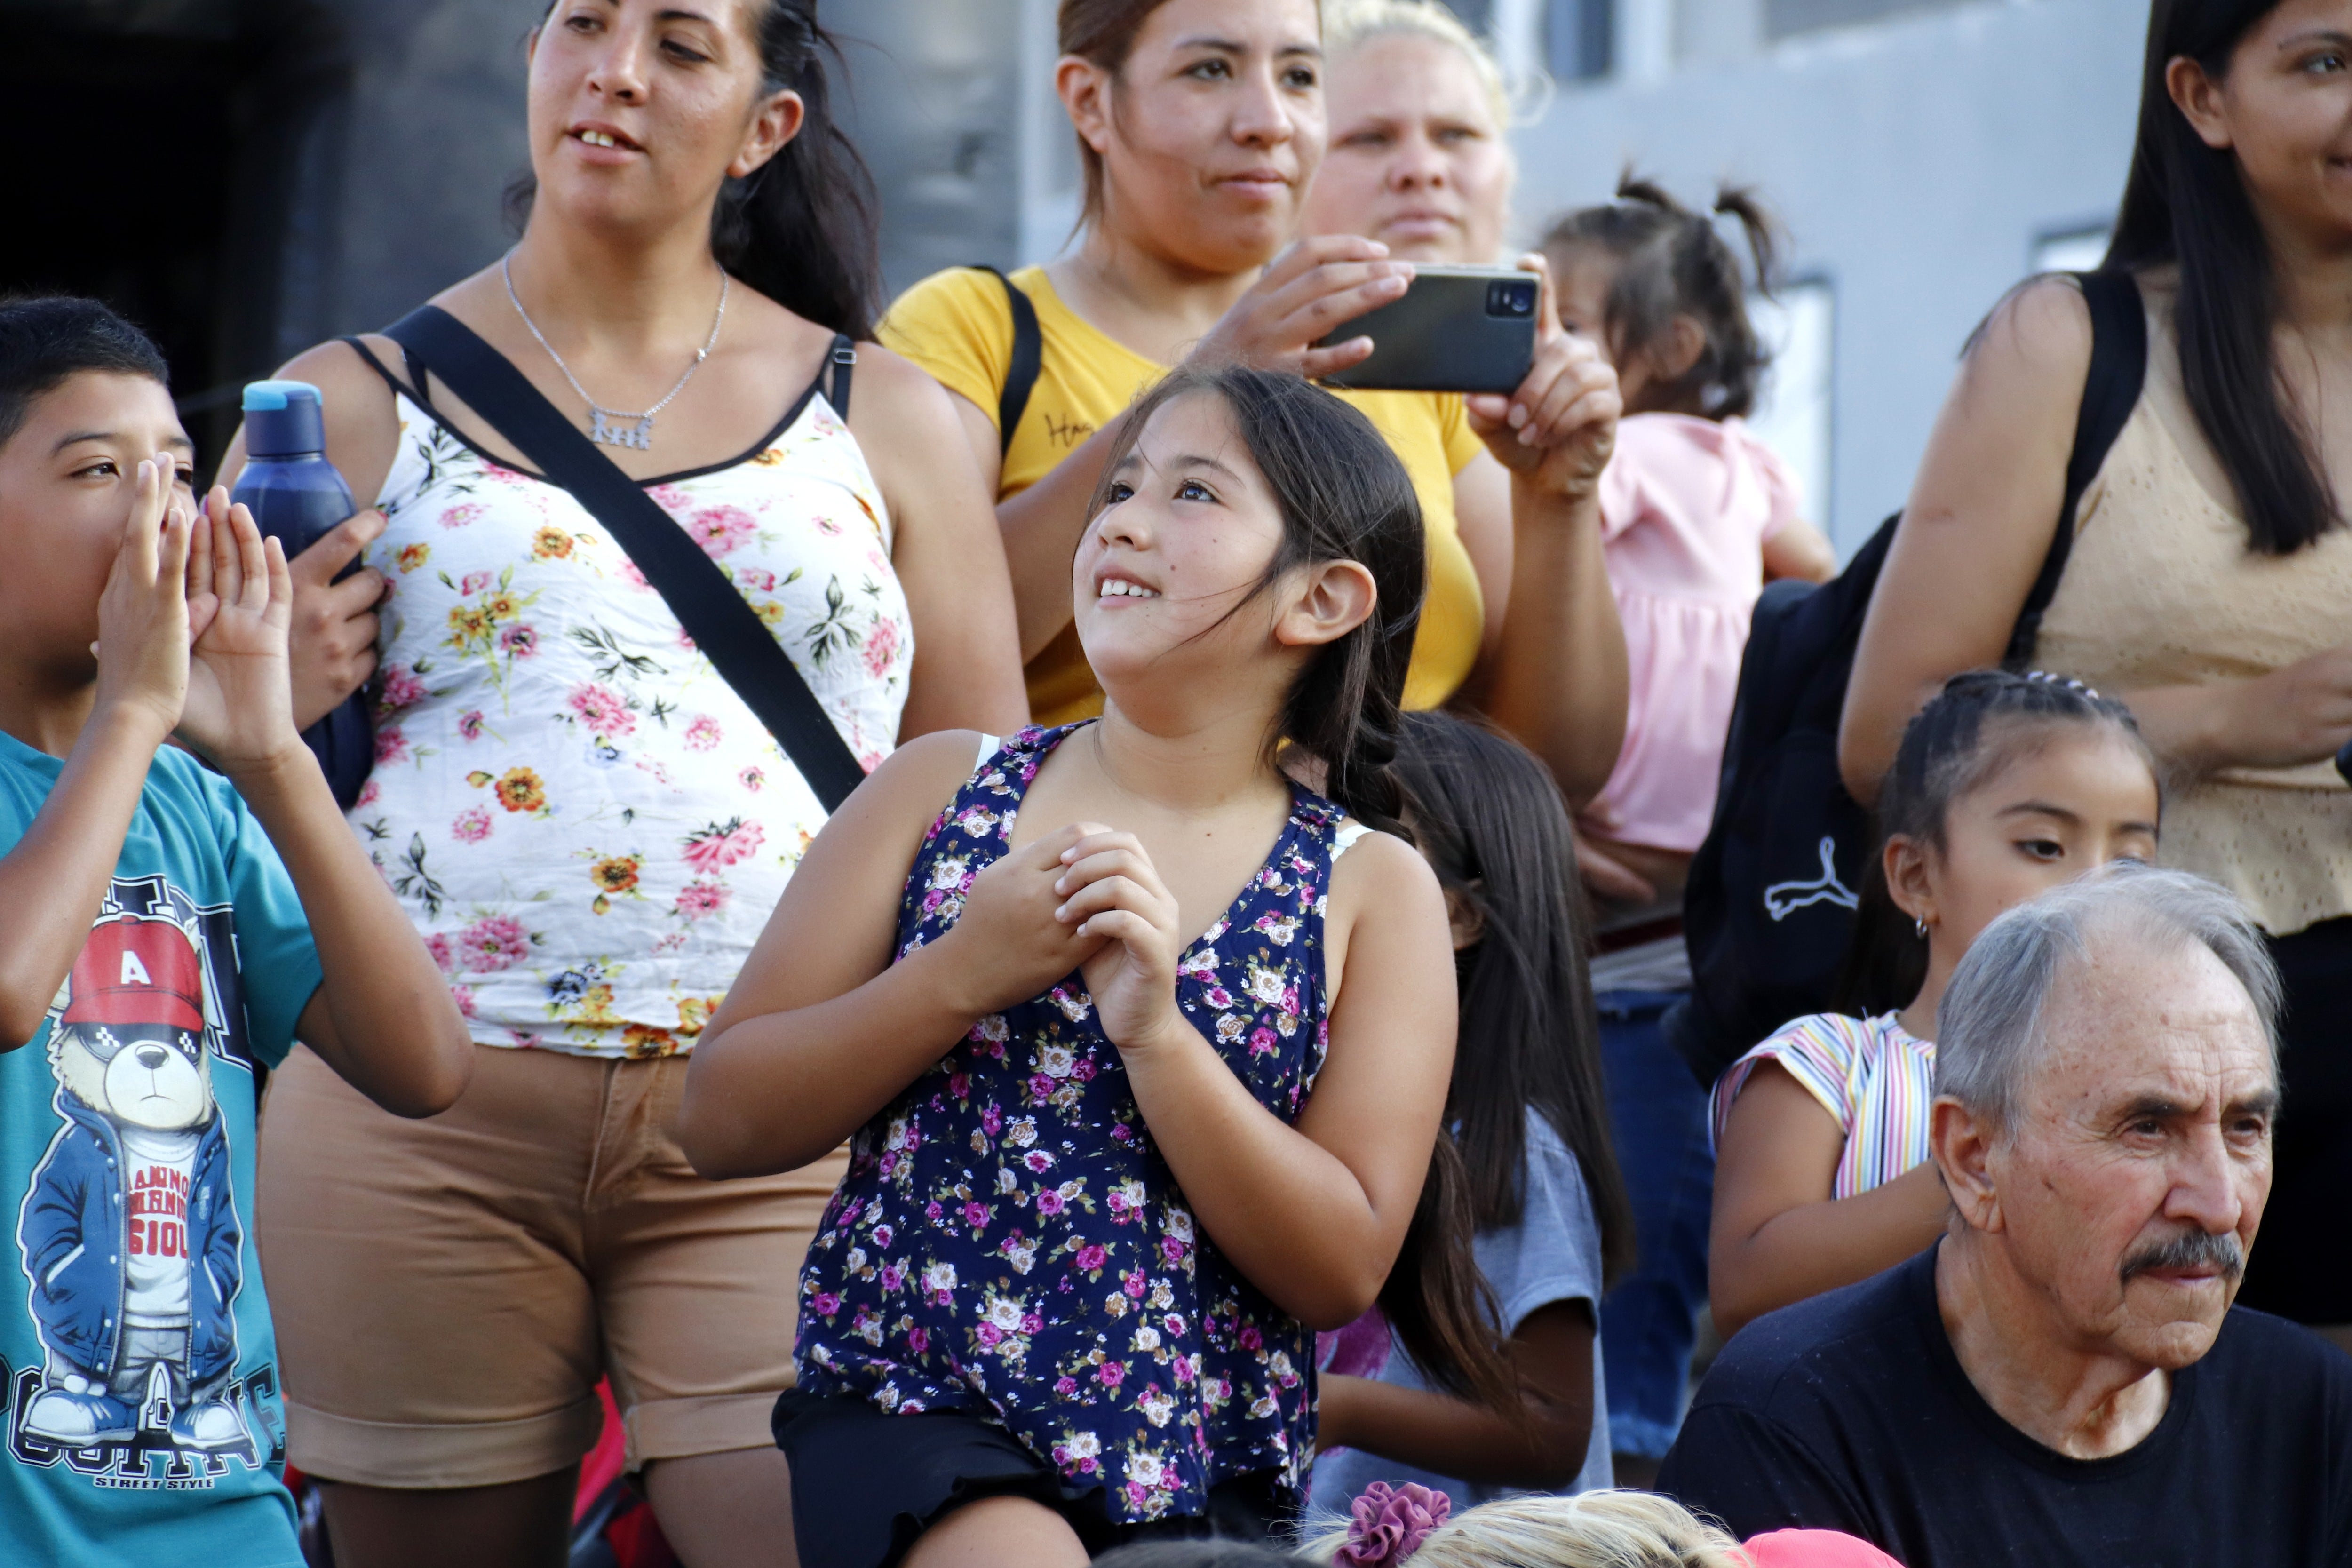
2063	1378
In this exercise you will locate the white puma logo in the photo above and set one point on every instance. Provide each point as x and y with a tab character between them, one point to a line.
1782	899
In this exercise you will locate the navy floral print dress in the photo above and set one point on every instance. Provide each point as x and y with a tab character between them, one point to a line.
1008	1242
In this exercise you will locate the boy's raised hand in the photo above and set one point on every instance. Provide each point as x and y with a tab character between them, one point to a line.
142	616
239	709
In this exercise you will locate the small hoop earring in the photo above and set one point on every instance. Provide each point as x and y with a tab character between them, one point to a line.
1919	924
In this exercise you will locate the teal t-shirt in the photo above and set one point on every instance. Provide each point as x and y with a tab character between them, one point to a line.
142	1417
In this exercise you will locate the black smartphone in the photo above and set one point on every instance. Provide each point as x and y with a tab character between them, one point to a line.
1456	329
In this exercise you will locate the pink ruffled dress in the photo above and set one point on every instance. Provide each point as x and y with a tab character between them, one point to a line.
1686	506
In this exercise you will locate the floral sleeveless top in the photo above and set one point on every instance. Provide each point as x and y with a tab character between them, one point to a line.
585	822
1008	1242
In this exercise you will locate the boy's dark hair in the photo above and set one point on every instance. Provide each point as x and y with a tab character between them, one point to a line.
1489	818
1672	262
46	339
1982	721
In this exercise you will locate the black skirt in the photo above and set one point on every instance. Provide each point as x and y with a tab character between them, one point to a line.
2300	1267
867	1485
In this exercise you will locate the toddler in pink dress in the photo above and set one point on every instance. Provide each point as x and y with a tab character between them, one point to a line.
1696	513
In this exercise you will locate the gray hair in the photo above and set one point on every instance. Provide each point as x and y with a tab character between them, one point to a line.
1989	1025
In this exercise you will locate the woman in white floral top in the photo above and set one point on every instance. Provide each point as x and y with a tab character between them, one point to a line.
587	823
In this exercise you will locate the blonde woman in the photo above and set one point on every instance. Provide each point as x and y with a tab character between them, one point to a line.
1420	159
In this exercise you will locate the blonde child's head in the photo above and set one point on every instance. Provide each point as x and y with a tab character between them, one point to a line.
1591	1529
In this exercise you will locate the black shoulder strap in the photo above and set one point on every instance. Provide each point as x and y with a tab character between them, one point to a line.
2118	370
707	604
839	361
1028	358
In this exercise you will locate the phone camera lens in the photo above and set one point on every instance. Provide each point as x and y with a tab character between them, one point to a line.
1511	297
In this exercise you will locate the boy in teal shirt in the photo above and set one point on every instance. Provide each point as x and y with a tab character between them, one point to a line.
166	933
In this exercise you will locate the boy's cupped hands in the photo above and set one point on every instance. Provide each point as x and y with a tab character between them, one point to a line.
239	711
192	625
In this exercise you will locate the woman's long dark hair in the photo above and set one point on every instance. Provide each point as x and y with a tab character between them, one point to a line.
1489	818
1344	496
1981	722
804	228
2186	203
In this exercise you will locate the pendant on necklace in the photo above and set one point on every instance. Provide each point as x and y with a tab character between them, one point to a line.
610	429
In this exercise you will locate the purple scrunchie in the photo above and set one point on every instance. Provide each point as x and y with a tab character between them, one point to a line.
1390	1523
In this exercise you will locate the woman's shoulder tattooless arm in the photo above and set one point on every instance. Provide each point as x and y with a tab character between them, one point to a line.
946	550
1977	524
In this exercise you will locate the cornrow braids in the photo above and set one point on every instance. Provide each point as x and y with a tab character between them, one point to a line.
1970	732
1671	262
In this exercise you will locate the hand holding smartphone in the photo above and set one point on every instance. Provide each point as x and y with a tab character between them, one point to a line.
1456	329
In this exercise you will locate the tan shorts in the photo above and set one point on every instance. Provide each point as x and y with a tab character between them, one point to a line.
447	1292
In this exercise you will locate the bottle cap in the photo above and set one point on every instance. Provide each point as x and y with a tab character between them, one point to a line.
282	419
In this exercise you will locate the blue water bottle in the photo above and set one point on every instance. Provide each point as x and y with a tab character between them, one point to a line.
296	496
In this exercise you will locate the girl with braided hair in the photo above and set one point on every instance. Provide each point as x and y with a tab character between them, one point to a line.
2005	786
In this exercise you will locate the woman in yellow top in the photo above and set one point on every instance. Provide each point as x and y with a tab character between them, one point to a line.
1200	123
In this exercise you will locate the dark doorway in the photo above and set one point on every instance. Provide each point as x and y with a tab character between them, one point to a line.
145	175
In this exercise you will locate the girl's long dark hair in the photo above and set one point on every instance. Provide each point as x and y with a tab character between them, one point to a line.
1490	820
1344	496
1970	730
803	228
2186	203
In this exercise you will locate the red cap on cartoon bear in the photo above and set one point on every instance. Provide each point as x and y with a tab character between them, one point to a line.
134	971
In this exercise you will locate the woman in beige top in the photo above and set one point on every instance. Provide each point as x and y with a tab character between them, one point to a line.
2211	582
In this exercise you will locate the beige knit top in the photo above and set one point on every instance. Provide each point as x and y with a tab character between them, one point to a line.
2161	590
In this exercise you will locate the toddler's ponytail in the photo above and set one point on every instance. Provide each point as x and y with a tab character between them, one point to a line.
1671	262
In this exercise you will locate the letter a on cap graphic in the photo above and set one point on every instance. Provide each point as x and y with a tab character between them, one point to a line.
134	971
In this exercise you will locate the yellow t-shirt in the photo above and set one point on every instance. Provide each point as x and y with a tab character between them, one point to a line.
958	325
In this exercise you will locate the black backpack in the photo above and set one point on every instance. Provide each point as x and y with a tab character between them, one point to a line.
1769	908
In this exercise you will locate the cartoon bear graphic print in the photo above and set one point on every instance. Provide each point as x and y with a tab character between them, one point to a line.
130	1231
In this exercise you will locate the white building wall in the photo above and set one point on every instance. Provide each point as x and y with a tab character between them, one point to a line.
1918	161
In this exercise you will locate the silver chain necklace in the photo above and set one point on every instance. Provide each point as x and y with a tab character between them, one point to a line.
608	425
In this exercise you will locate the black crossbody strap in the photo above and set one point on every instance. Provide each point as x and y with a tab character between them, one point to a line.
1028	359
2118	371
725	628
840	362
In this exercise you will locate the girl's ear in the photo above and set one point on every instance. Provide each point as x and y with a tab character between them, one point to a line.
1677	349
1906	865
2201	101
774	122
1084	89
1333	598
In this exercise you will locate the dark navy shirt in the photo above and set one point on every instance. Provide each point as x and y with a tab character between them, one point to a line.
1850	1412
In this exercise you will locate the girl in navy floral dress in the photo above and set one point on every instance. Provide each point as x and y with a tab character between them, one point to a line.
1144	1075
